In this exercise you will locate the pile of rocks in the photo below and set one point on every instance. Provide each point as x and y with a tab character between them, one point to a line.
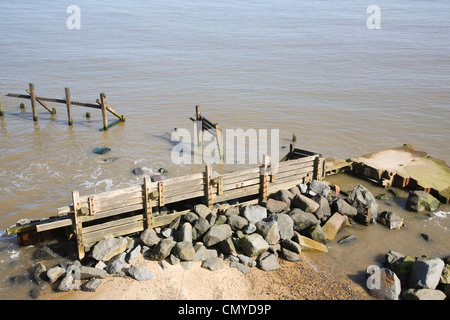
301	218
404	277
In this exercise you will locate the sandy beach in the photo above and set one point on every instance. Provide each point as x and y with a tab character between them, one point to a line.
293	281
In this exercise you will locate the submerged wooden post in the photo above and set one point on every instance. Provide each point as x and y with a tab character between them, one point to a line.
33	102
68	104
198	117
77	221
208	187
1	105
104	115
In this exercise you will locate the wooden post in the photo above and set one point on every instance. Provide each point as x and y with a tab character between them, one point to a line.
78	225
104	115
161	193
68	104
263	178
208	187
198	115
219	140
33	102
1	105
318	167
147	203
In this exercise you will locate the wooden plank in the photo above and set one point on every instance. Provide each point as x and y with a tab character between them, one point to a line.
118	205
286	184
124	197
293	162
242	184
292	167
187	189
113	212
161	193
116	231
165	219
230	175
78	223
182	197
33	102
110	224
55	224
63	101
238	193
294	172
238	179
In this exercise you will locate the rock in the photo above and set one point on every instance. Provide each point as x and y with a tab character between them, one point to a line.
185	232
367	208
290	256
138	171
39	273
74	270
403	270
133	254
149	237
276	206
386	286
186	265
90	273
254	213
45	253
419	201
445	275
232	211
116	264
156	178
66	283
347	239
161	250
213	264
108	248
341	206
101	150
324	209
227	247
315	232
291	246
92	285
393	258
249	228
268	262
242	268
167	232
285	226
423	294
140	273
217	234
201	226
391	220
269	231
247	261
184	251
237	222
302	219
332	226
191	217
253	245
202	210
425	237
320	188
283	195
202	253
308	244
426	273
54	273
163	170
304	203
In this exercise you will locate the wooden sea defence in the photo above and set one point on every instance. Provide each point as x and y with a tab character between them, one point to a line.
100	105
91	218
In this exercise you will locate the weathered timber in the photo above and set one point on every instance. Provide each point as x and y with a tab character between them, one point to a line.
68	104
33	102
1	105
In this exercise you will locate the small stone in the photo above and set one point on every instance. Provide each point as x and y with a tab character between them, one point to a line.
240	267
213	264
108	248
54	273
268	262
139	273
91	285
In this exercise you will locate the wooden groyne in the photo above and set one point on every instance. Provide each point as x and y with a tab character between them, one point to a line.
100	105
129	210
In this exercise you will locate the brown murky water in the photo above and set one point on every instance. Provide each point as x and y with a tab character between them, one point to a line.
313	69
